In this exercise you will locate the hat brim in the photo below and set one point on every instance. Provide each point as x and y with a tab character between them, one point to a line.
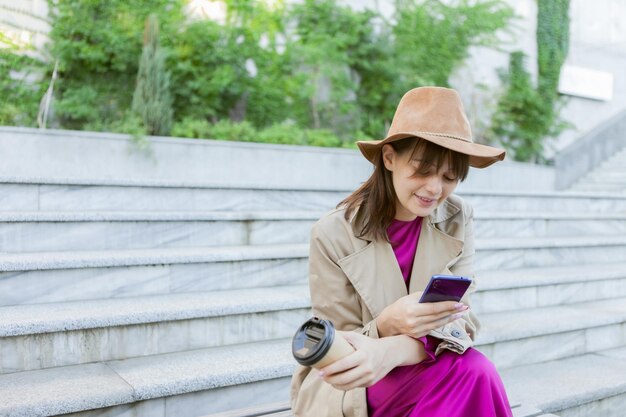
480	156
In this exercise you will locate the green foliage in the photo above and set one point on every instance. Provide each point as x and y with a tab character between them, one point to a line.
270	79
192	128
552	44
237	131
313	72
322	137
152	101
20	99
208	70
98	45
281	133
212	67
129	123
326	39
527	116
519	118
80	105
430	40
439	36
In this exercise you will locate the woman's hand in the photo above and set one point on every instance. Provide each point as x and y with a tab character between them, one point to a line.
372	360
410	317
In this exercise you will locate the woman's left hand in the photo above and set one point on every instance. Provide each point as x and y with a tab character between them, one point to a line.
367	365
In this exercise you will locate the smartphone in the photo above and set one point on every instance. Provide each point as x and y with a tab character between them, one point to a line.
445	288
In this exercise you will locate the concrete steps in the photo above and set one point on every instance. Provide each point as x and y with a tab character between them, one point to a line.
610	176
178	298
24	232
60	334
79	195
98	195
529	288
63	276
585	385
185	381
176	293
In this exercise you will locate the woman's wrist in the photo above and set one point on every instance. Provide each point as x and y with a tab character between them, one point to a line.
404	350
382	325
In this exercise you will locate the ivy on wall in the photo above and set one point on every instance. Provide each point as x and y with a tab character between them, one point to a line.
552	45
527	117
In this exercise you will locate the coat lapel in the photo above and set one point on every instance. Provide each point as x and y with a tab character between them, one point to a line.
435	251
375	274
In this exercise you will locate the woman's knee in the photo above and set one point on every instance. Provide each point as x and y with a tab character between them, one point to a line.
477	365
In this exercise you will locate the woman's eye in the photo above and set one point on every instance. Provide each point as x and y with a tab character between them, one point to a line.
447	178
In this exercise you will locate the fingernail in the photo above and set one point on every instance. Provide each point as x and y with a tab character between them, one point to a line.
321	374
457	316
459	306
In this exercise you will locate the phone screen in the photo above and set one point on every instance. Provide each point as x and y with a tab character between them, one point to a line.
445	288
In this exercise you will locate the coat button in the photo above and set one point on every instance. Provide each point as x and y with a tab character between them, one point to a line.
456	333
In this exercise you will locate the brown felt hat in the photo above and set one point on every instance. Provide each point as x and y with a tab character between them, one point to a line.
435	114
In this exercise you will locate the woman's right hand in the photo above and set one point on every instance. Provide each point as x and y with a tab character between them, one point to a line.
410	317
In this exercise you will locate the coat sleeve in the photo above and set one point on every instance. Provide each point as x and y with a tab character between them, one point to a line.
332	295
460	334
333	298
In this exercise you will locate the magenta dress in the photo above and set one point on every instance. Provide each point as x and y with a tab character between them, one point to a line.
448	385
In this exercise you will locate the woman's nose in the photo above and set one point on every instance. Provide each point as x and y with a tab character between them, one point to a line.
434	185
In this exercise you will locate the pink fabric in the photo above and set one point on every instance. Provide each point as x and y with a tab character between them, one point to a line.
448	385
404	236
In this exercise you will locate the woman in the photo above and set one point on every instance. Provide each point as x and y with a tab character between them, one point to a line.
370	260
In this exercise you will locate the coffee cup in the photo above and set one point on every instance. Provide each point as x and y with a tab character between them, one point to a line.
317	344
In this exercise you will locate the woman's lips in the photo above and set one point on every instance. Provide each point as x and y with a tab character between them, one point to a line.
426	202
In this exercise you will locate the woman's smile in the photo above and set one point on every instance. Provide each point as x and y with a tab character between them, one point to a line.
425	202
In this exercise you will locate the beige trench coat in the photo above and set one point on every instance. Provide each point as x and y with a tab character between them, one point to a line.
353	279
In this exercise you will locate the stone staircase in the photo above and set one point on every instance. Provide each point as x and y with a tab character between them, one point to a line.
171	286
610	176
122	299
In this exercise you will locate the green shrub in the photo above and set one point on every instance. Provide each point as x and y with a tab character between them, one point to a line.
284	133
208	71
322	137
330	69
423	46
81	105
98	45
192	128
130	124
152	100
234	131
20	99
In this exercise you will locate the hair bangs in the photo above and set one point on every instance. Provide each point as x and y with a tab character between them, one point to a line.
435	156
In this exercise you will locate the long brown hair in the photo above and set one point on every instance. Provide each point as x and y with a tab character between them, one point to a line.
376	198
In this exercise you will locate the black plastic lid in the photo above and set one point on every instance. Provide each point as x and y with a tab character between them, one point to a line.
312	341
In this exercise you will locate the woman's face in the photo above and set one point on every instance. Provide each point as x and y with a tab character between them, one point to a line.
418	194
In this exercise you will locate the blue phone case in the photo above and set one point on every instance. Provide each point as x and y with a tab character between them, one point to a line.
445	288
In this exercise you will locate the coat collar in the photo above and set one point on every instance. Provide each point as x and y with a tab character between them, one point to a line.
374	271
